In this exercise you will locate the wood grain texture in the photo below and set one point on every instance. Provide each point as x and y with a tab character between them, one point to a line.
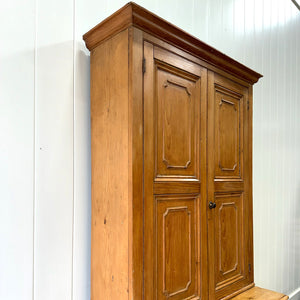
203	275
110	174
134	15
229	239
112	25
228	188
165	277
136	161
183	187
222	185
274	50
210	184
176	150
241	290
257	293
171	49
176	246
228	136
175	137
148	93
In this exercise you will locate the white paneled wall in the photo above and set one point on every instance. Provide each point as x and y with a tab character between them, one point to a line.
45	135
54	128
16	148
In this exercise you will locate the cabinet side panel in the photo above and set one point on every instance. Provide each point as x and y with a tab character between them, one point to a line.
135	164
109	131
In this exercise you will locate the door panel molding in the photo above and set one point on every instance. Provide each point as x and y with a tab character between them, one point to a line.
229	224
175	226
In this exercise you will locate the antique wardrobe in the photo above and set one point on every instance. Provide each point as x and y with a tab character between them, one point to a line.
171	163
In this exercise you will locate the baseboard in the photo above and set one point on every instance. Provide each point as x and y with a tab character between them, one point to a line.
295	295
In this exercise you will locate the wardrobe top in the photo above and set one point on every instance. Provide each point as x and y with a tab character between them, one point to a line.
134	15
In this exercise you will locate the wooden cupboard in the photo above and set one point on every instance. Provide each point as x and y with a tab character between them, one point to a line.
171	127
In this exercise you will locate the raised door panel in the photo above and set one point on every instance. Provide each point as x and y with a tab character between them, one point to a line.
228	133
176	247
229	239
176	130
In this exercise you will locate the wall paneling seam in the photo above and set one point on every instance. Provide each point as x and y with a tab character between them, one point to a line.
73	163
34	149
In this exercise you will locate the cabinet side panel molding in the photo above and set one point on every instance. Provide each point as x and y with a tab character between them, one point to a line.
171	130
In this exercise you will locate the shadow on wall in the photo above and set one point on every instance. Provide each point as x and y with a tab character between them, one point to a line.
38	129
82	173
297	242
63	167
291	251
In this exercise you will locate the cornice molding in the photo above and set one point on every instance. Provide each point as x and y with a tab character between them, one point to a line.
134	15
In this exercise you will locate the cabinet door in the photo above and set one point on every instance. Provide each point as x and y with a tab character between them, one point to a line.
229	187
175	253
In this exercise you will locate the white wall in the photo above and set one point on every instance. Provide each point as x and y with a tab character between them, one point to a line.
45	135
